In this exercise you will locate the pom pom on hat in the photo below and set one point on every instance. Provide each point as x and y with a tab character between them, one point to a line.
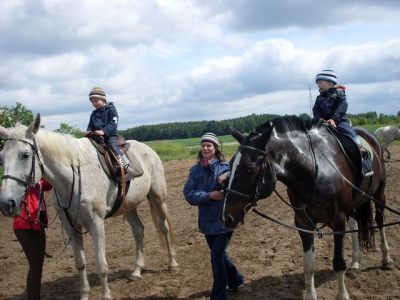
210	137
97	92
327	75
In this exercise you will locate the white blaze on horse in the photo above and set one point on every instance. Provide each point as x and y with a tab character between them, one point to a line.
389	134
84	194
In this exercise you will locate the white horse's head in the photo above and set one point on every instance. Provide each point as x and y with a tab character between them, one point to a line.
21	168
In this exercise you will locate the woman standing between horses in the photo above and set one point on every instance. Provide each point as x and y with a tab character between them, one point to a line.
331	105
204	188
29	228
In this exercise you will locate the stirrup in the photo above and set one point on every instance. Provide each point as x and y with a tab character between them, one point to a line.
368	174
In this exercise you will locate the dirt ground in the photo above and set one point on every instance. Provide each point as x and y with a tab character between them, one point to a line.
269	255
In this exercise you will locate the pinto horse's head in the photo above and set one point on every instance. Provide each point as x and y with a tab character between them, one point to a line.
18	159
252	177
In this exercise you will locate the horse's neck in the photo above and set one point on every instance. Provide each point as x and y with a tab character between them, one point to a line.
292	159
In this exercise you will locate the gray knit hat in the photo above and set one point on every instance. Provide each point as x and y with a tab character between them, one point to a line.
327	75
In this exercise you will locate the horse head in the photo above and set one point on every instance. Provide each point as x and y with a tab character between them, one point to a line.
21	169
252	176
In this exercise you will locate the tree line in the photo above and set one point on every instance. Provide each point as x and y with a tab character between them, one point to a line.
183	130
9	116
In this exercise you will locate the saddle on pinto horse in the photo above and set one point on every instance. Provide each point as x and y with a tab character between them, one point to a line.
109	161
361	164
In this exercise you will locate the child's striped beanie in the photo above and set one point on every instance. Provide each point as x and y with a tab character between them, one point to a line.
97	92
327	75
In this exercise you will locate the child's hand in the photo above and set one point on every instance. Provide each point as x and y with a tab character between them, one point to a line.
99	132
332	122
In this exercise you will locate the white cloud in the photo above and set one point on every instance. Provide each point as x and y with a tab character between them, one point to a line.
167	61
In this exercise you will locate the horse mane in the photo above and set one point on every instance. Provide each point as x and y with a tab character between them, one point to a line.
285	124
67	149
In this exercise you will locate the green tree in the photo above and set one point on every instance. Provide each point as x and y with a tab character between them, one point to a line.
10	116
68	129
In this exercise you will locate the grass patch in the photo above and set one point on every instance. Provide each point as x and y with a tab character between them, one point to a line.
186	148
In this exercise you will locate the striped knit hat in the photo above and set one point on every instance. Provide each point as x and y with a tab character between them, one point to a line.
327	75
210	137
97	92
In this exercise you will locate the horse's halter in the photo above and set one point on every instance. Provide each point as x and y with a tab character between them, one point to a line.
265	166
29	182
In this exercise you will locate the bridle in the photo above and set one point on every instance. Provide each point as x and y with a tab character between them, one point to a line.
266	168
30	180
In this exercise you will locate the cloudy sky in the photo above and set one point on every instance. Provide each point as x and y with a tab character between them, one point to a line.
163	61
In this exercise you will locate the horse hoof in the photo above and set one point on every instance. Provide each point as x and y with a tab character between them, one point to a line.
135	277
388	266
174	269
352	273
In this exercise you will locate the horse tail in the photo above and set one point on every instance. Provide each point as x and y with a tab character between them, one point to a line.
378	131
364	218
157	222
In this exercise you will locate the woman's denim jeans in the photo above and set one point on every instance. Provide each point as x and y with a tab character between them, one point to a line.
224	271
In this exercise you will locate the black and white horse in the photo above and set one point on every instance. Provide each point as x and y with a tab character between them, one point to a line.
320	185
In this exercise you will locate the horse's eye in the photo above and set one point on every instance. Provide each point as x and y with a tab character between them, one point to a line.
25	155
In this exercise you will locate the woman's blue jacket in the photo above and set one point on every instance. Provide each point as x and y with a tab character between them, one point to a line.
200	183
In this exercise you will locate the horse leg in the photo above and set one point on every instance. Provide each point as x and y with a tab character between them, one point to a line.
163	224
356	254
339	264
137	230
79	257
159	213
387	150
308	265
97	232
387	262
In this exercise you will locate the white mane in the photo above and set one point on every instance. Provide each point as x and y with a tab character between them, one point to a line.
67	149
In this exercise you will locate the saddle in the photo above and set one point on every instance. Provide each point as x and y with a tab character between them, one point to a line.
361	164
110	163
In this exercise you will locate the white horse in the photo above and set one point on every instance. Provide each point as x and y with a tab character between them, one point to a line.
83	191
389	134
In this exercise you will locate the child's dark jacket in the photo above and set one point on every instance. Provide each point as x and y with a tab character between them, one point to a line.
106	119
331	105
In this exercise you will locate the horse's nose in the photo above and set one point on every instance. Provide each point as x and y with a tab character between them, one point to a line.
8	207
229	222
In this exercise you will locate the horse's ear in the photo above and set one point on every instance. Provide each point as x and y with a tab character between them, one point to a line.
262	141
236	134
4	133
34	127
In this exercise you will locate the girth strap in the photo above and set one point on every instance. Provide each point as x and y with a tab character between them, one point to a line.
118	201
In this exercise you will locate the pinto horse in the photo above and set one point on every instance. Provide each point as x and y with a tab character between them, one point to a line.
389	134
84	194
320	185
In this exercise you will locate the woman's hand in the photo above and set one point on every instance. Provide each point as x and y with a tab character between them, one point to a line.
222	178
217	195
